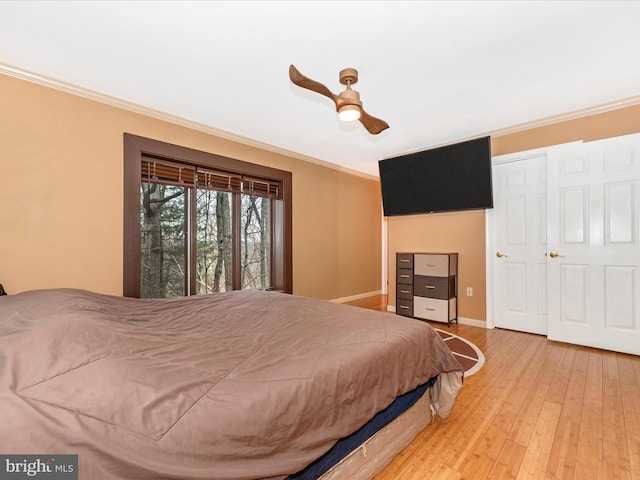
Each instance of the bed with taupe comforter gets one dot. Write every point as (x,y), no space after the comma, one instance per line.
(237,385)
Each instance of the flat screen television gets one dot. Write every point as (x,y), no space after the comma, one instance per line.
(443,179)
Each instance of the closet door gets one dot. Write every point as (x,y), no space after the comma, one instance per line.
(593,263)
(519,262)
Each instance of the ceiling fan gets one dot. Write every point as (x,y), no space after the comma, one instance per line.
(348,104)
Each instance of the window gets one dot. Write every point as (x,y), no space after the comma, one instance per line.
(198,223)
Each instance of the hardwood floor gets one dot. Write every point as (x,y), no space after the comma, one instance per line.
(537,409)
(377,302)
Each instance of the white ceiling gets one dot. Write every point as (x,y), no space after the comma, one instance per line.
(437,71)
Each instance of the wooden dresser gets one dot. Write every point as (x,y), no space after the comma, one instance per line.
(427,286)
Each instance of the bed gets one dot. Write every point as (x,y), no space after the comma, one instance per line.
(230,386)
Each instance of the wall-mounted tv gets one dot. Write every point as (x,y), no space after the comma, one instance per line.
(443,179)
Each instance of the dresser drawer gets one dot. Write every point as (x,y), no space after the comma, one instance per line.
(405,291)
(434,265)
(404,260)
(434,309)
(434,287)
(404,307)
(405,275)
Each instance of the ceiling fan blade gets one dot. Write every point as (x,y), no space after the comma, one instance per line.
(373,125)
(305,82)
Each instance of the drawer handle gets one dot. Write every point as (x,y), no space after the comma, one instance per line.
(404,307)
(430,264)
(430,286)
(405,260)
(405,291)
(430,309)
(404,276)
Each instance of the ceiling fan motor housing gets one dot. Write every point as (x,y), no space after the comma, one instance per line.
(350,97)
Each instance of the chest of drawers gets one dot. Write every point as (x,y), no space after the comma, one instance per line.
(427,286)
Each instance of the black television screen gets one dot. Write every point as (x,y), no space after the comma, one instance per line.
(449,178)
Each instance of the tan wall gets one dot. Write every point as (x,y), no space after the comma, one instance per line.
(442,233)
(464,232)
(61,198)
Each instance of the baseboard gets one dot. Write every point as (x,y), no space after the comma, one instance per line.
(472,322)
(353,298)
(461,320)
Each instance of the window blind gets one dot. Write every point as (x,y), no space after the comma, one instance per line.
(218,180)
(261,188)
(156,170)
(162,171)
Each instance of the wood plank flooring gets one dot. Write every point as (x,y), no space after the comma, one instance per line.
(537,409)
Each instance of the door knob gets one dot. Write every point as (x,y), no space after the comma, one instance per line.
(555,255)
(501,254)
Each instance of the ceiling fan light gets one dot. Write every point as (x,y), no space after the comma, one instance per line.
(349,113)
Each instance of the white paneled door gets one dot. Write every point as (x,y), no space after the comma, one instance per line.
(593,263)
(519,262)
(565,232)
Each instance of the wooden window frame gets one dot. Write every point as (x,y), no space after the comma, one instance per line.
(137,147)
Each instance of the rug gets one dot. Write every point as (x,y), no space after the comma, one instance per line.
(469,356)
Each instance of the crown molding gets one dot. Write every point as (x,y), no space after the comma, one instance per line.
(158,115)
(173,119)
(543,122)
(565,117)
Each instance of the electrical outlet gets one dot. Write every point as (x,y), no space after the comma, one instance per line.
(469,292)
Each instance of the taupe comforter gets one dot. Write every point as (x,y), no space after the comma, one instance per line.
(238,385)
